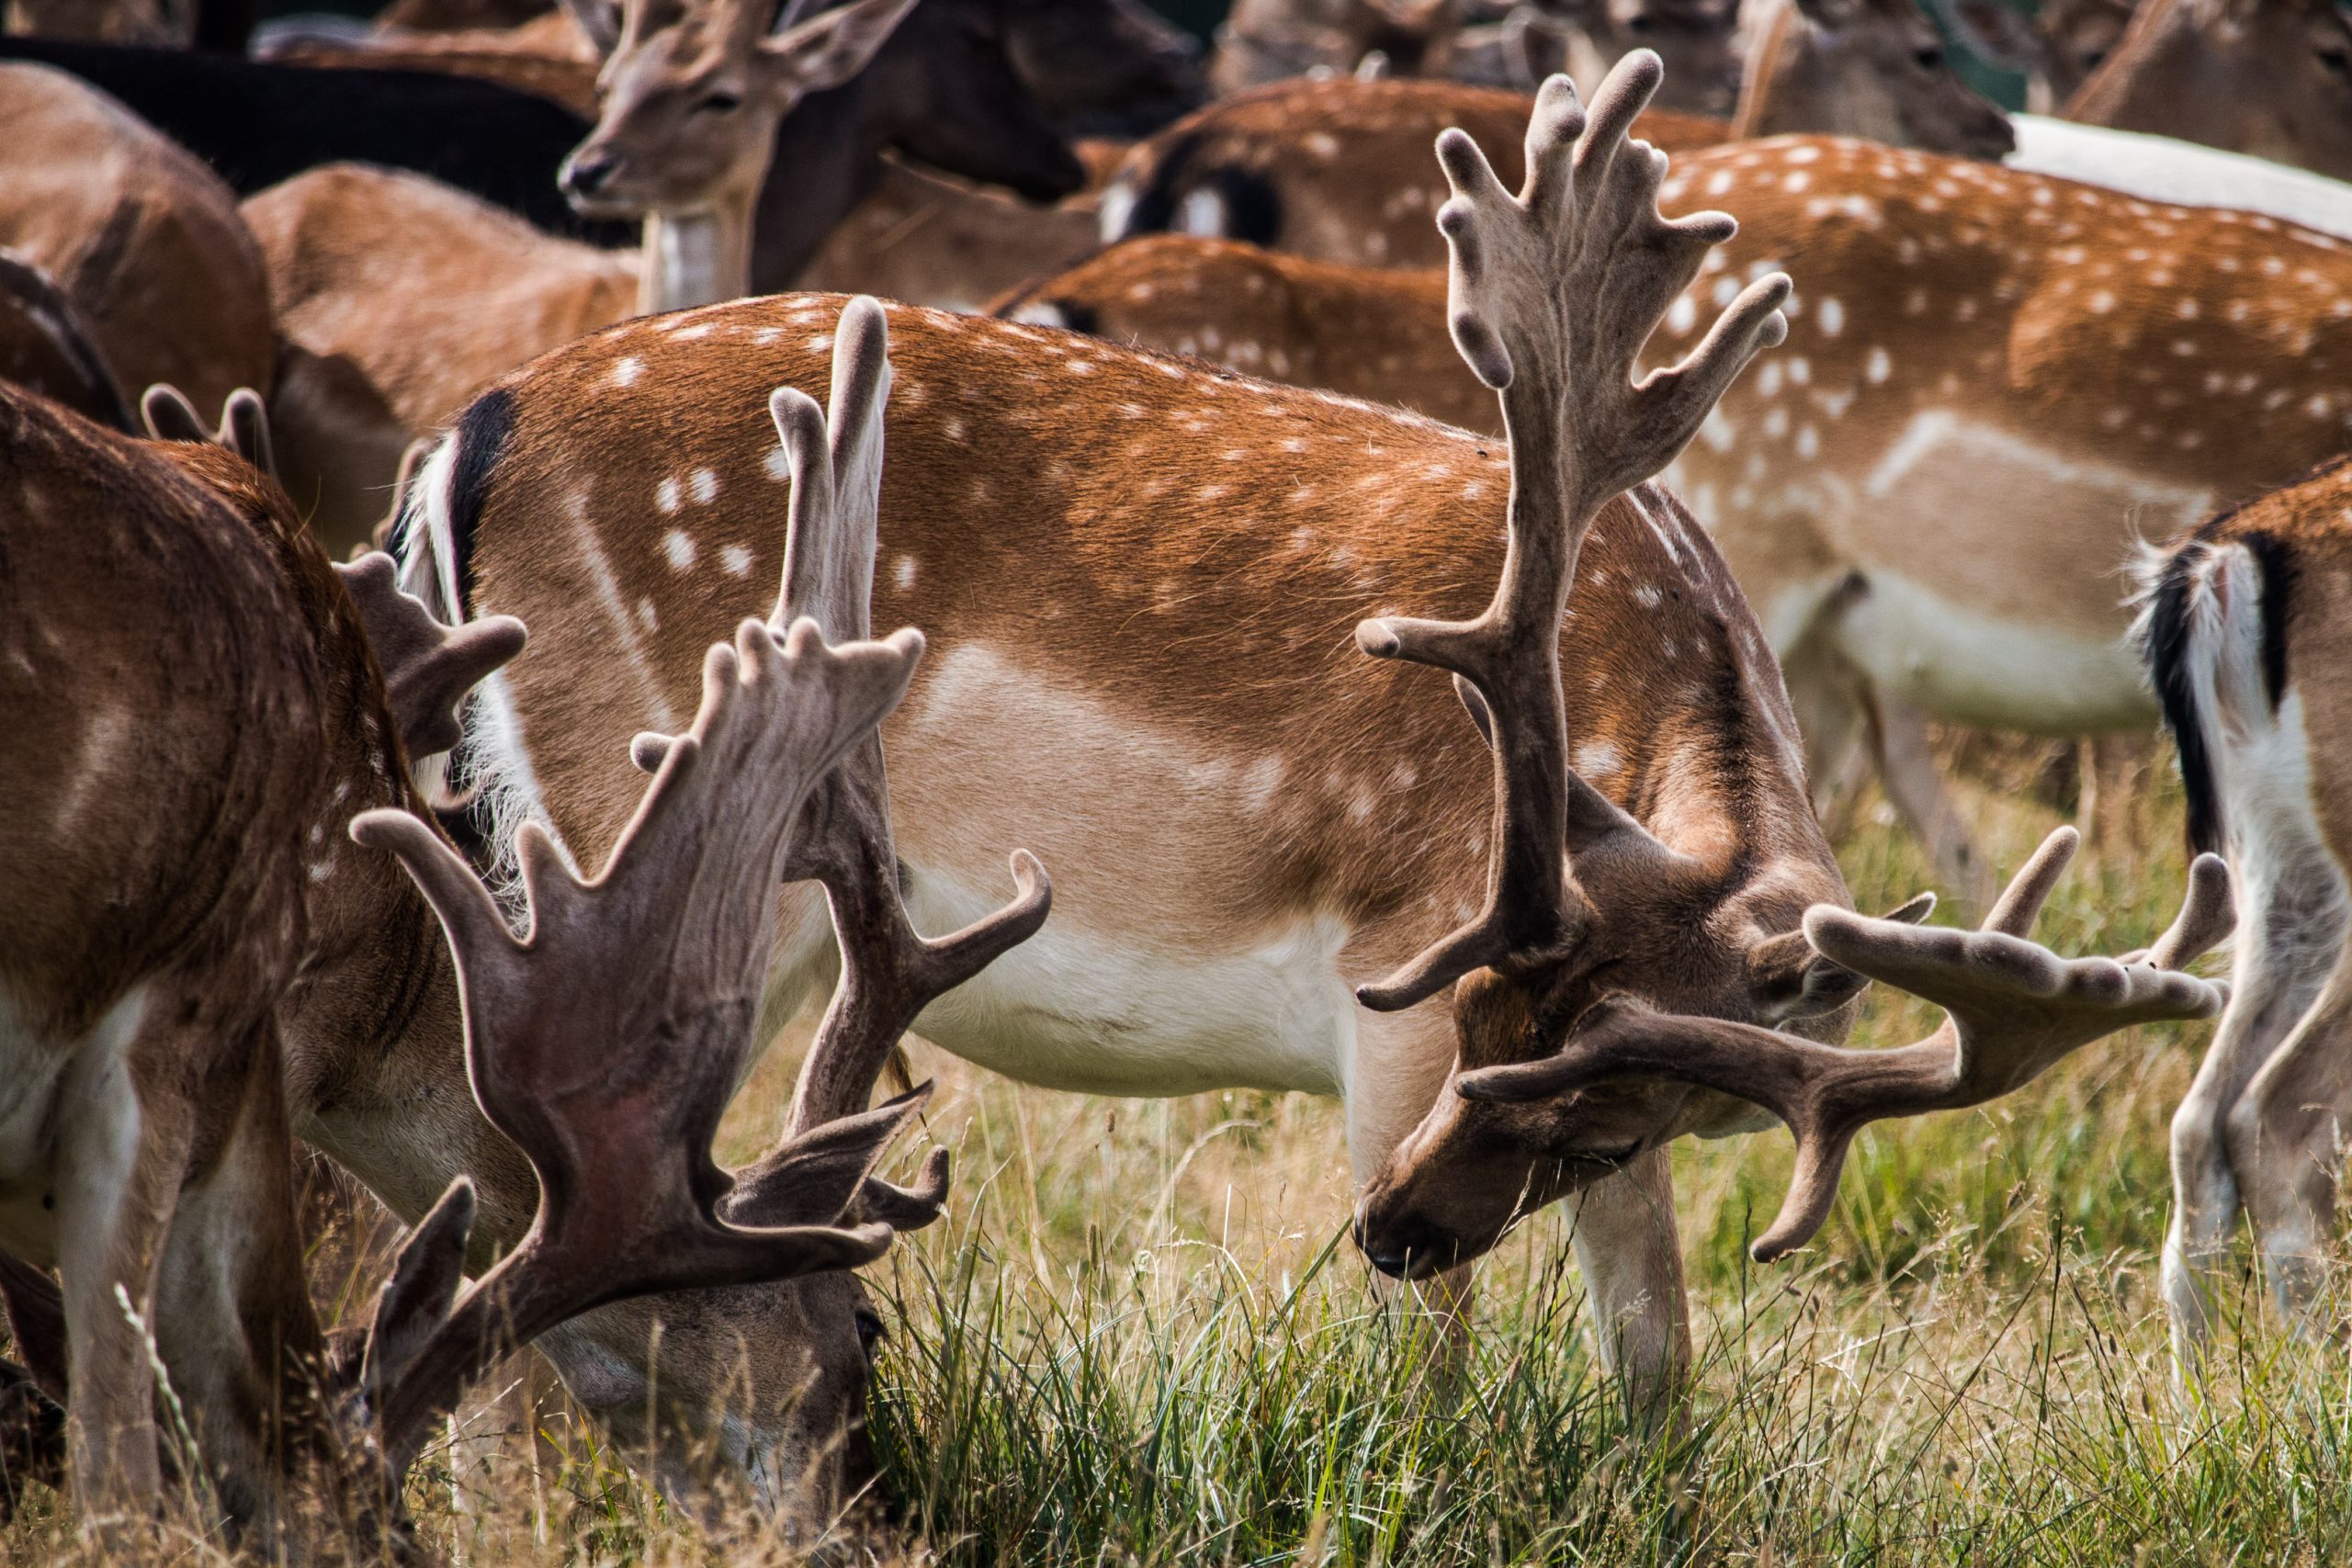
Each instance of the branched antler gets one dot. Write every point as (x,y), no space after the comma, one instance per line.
(1550,295)
(2013,1009)
(606,1041)
(889,972)
(428,667)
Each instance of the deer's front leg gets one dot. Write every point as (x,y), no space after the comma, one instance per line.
(1630,1253)
(122,1142)
(1397,1069)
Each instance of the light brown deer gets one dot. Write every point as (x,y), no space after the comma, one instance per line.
(2244,639)
(338,963)
(141,236)
(1944,407)
(2268,77)
(1140,581)
(1322,168)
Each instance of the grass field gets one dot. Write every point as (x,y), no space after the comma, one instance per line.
(1142,1337)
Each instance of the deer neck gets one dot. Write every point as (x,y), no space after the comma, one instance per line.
(375,1051)
(697,258)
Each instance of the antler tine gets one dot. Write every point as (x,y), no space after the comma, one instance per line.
(168,415)
(607,1042)
(428,667)
(1550,296)
(2013,1010)
(890,972)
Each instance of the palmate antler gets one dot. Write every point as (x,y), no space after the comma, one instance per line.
(1549,295)
(2013,1009)
(889,972)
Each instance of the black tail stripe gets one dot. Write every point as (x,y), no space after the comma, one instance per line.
(2167,655)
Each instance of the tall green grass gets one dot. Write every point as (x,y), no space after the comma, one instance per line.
(1141,1338)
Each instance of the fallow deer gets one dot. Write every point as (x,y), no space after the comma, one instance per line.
(1946,389)
(1876,69)
(1140,581)
(1273,41)
(2269,77)
(2056,50)
(1697,39)
(762,1382)
(143,239)
(1315,167)
(2243,635)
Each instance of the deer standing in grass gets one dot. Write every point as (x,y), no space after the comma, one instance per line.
(2245,640)
(1933,496)
(1324,169)
(286,950)
(1139,575)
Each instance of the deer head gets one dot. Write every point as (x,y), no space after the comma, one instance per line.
(2268,77)
(1875,69)
(692,94)
(2058,48)
(1697,39)
(1596,932)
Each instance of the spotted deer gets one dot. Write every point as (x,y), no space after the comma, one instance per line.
(2269,77)
(1229,871)
(473,1082)
(1321,168)
(2243,618)
(1932,497)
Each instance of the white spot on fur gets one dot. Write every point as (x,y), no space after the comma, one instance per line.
(680,547)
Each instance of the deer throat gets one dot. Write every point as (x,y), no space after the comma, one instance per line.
(698,258)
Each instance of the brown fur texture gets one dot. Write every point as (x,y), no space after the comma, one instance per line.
(46,347)
(1977,315)
(142,238)
(2268,77)
(1345,165)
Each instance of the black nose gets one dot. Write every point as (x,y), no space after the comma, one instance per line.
(588,173)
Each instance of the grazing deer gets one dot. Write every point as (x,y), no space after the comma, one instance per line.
(2268,77)
(1315,167)
(759,1380)
(142,238)
(1247,826)
(1943,391)
(2241,632)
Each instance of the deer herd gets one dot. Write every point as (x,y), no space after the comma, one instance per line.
(439,649)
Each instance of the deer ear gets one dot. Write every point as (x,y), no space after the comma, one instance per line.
(1790,980)
(600,20)
(826,50)
(167,414)
(825,1177)
(415,1301)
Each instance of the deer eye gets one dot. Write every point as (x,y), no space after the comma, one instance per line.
(1930,57)
(1639,23)
(870,1331)
(723,102)
(2335,57)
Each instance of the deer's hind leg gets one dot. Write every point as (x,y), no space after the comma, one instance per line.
(2287,1138)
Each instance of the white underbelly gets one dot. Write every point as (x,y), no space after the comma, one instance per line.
(1113,1013)
(1960,663)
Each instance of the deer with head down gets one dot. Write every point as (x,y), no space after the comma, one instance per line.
(2244,637)
(1139,574)
(1313,167)
(496,1070)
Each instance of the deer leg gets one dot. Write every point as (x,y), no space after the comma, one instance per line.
(1826,692)
(2286,1139)
(1915,787)
(1630,1253)
(1399,1068)
(233,1319)
(123,1153)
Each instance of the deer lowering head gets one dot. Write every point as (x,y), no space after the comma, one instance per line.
(1601,934)
(613,1087)
(691,96)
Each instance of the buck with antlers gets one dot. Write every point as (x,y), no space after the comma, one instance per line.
(1139,575)
(1932,497)
(286,947)
(2244,639)
(1313,167)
